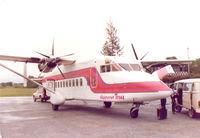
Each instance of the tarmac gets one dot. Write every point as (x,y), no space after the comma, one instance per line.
(20,117)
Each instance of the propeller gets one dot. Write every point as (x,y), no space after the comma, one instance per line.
(145,55)
(48,63)
(136,53)
(42,54)
(61,72)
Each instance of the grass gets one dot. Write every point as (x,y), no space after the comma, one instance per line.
(8,92)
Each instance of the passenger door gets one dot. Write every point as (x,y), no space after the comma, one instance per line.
(51,86)
(93,78)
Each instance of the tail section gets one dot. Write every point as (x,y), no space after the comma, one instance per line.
(163,72)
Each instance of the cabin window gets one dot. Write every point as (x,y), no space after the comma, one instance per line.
(70,83)
(73,83)
(63,83)
(81,82)
(76,82)
(60,84)
(66,83)
(55,85)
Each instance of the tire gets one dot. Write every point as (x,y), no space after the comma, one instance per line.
(178,108)
(191,113)
(134,113)
(107,104)
(34,99)
(55,107)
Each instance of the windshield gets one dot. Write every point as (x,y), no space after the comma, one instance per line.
(119,67)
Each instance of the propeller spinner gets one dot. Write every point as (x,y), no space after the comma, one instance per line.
(48,63)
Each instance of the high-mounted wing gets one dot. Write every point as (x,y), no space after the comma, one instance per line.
(148,64)
(46,64)
(20,59)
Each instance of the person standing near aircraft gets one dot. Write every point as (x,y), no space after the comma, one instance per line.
(173,98)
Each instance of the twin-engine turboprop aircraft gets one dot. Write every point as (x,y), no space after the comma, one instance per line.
(106,79)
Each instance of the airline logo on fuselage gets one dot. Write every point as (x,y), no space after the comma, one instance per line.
(112,97)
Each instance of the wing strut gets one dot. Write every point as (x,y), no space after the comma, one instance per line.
(26,78)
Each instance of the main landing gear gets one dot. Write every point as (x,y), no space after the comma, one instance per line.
(134,110)
(55,107)
(162,111)
(107,104)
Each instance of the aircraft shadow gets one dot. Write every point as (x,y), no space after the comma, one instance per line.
(112,112)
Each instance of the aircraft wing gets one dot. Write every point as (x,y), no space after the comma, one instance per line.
(20,59)
(65,61)
(147,64)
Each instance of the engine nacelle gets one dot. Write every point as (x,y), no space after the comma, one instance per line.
(46,67)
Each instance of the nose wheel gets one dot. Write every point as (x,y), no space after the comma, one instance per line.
(134,110)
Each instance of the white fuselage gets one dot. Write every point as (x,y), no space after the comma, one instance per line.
(106,80)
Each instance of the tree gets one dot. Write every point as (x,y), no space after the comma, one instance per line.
(112,46)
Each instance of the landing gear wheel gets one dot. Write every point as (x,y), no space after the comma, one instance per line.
(178,108)
(191,113)
(34,99)
(55,107)
(134,112)
(107,104)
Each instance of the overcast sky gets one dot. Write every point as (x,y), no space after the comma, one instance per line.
(163,27)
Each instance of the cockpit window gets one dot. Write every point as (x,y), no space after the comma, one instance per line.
(105,68)
(119,67)
(110,68)
(125,66)
(136,67)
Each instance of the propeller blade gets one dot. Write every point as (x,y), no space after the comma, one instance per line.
(53,48)
(42,54)
(66,55)
(134,52)
(61,72)
(145,55)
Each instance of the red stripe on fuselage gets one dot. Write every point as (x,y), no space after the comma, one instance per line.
(102,87)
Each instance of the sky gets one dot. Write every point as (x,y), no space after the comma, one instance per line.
(163,27)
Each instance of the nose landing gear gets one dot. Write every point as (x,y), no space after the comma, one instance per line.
(134,110)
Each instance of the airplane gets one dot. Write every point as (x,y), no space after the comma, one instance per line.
(105,79)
